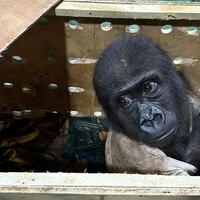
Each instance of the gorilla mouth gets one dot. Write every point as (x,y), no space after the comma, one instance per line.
(150,123)
(164,135)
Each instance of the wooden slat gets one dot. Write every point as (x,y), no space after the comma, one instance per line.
(128,10)
(17,16)
(99,184)
(19,196)
(164,2)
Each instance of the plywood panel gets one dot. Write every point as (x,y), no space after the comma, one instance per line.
(42,49)
(17,16)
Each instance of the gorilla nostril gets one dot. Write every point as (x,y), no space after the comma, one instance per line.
(157,117)
(147,115)
(151,119)
(152,113)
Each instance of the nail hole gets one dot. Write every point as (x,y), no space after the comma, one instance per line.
(73,24)
(51,60)
(17,113)
(166,29)
(27,112)
(8,85)
(72,60)
(178,60)
(17,58)
(53,86)
(26,89)
(171,17)
(186,61)
(106,26)
(75,89)
(55,112)
(73,112)
(42,20)
(97,113)
(192,30)
(134,28)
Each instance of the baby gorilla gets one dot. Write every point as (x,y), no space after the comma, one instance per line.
(146,100)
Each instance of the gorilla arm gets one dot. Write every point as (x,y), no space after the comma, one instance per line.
(126,155)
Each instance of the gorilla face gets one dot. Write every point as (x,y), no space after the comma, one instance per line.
(141,93)
(143,107)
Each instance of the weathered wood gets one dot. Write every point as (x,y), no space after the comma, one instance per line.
(98,184)
(20,196)
(131,10)
(17,16)
(164,2)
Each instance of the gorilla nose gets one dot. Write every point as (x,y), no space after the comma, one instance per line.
(151,119)
(151,113)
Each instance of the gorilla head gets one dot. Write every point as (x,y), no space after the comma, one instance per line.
(141,93)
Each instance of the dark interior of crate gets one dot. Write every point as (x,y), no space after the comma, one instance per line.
(50,119)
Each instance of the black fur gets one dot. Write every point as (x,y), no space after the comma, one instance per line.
(118,70)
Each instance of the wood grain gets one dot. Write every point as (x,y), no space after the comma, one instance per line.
(17,16)
(126,9)
(42,49)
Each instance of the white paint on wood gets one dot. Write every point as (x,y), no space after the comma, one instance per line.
(96,184)
(112,9)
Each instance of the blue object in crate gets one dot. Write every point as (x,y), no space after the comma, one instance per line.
(87,136)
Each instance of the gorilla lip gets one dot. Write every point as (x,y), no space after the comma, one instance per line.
(163,135)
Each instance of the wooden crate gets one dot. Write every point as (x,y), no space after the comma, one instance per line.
(52,52)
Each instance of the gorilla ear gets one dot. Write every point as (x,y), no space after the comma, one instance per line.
(195,104)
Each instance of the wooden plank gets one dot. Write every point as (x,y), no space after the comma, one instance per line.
(17,16)
(129,10)
(185,2)
(18,196)
(99,184)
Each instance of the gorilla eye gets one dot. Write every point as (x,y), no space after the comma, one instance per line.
(124,100)
(149,86)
